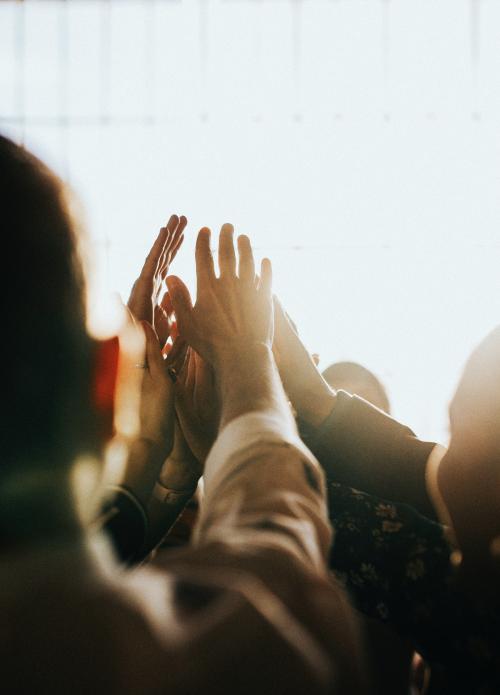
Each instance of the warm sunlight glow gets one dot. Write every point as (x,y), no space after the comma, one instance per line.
(356,143)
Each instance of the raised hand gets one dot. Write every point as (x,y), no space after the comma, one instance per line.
(165,323)
(147,288)
(157,396)
(232,310)
(156,420)
(311,396)
(197,405)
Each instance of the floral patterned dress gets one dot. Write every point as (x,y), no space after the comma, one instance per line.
(395,564)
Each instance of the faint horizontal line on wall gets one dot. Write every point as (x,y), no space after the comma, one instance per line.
(109,121)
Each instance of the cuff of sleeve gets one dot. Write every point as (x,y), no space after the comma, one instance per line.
(242,433)
(125,521)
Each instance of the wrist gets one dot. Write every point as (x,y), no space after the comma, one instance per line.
(144,461)
(248,380)
(315,403)
(179,474)
(240,352)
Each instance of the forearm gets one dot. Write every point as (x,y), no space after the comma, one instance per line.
(143,465)
(176,485)
(124,515)
(361,447)
(249,381)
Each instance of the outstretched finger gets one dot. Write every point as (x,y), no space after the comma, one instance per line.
(166,254)
(172,246)
(205,273)
(166,304)
(246,270)
(266,277)
(227,256)
(154,255)
(178,237)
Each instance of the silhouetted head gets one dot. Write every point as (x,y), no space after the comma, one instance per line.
(354,378)
(46,398)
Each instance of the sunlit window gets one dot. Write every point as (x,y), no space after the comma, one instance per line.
(356,141)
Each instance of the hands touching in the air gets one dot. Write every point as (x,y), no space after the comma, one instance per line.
(157,394)
(156,436)
(231,326)
(143,301)
(197,404)
(232,311)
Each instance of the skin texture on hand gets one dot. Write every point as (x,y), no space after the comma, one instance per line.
(157,396)
(165,323)
(197,405)
(231,310)
(231,326)
(156,436)
(181,471)
(311,396)
(147,288)
(156,414)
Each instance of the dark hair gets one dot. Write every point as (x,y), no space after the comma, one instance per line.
(355,378)
(45,370)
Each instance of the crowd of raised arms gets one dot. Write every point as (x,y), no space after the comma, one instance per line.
(271,531)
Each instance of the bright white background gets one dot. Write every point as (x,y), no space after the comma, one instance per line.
(356,141)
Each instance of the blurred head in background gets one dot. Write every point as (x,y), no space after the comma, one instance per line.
(51,393)
(356,379)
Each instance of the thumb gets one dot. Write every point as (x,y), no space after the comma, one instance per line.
(181,301)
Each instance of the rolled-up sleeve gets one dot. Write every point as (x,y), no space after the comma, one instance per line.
(263,487)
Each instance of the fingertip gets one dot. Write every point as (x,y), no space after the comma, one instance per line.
(173,283)
(227,228)
(173,221)
(266,266)
(166,303)
(203,239)
(266,274)
(243,240)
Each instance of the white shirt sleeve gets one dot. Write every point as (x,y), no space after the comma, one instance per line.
(262,486)
(246,431)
